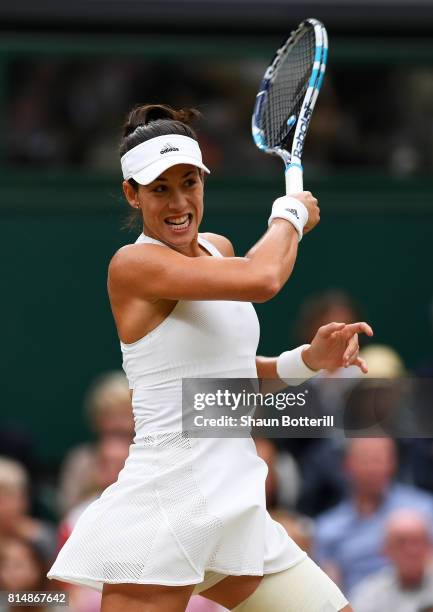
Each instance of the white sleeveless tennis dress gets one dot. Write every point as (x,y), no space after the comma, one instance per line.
(181,506)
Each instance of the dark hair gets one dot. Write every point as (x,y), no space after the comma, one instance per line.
(149,121)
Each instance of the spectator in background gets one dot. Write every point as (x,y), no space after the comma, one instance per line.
(324,483)
(14,507)
(408,583)
(379,404)
(283,478)
(17,442)
(349,537)
(420,450)
(110,455)
(323,308)
(315,311)
(383,362)
(282,482)
(419,466)
(108,408)
(23,568)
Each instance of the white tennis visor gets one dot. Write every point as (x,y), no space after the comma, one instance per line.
(145,162)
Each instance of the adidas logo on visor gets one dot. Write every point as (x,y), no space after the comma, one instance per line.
(167,148)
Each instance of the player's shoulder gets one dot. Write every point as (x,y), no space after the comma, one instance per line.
(134,256)
(129,252)
(222,243)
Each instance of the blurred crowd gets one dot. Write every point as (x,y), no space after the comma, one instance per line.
(68,113)
(362,507)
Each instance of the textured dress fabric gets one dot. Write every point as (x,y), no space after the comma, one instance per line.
(182,507)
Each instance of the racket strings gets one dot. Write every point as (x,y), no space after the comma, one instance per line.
(287,90)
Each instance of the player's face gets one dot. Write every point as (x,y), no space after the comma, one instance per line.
(172,205)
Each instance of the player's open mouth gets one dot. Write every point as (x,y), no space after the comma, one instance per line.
(179,223)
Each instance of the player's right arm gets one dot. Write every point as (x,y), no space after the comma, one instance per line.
(152,272)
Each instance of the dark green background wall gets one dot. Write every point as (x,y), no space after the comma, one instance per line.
(58,232)
(374,240)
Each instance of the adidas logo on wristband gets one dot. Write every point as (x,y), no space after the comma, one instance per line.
(293,211)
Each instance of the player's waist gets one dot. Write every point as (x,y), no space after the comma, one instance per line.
(157,379)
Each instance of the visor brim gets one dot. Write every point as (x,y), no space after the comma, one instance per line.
(149,174)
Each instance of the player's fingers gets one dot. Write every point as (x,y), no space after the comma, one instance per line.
(362,364)
(327,330)
(351,351)
(358,328)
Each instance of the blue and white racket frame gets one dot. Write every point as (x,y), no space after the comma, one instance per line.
(292,159)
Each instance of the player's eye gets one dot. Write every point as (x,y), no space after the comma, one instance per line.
(190,182)
(160,189)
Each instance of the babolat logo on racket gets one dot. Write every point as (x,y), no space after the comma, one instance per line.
(293,211)
(303,127)
(167,148)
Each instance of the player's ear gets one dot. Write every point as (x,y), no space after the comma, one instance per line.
(131,194)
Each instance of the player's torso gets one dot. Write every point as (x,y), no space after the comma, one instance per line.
(198,338)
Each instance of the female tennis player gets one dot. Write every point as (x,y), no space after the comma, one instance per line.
(187,515)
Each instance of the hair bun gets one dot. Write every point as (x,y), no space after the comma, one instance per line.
(145,114)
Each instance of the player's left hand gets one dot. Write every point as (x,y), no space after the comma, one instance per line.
(335,345)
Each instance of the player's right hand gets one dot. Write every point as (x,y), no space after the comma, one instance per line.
(312,205)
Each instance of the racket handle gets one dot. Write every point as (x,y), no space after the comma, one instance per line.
(294,179)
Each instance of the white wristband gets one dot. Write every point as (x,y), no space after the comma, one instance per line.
(292,210)
(292,369)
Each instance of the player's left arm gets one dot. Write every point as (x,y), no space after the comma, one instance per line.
(335,345)
(270,382)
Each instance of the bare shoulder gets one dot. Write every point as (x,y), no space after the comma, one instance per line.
(131,257)
(222,243)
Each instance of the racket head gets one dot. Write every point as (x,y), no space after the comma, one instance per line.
(288,92)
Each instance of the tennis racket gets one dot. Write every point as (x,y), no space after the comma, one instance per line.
(287,96)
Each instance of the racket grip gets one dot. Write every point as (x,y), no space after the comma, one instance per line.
(294,179)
